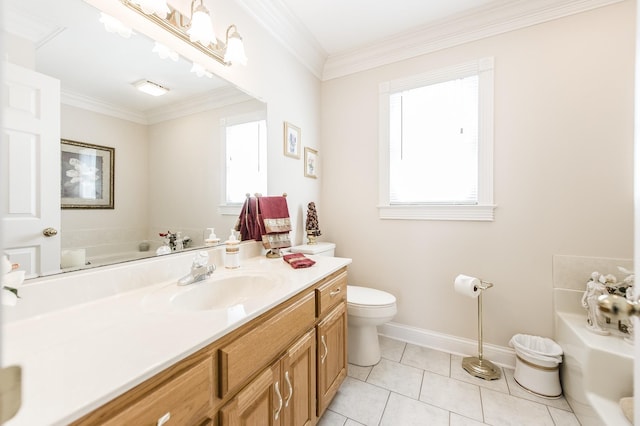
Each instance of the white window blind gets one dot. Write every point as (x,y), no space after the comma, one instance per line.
(436,144)
(246,160)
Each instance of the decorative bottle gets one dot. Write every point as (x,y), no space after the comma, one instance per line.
(232,252)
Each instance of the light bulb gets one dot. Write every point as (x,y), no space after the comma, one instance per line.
(235,49)
(201,29)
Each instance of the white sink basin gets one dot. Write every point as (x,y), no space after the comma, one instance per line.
(239,292)
(224,293)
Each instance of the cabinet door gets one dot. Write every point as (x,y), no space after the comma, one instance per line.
(260,403)
(332,355)
(299,382)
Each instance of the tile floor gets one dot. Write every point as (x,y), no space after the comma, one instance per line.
(413,385)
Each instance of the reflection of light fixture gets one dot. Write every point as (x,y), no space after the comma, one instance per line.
(235,48)
(112,25)
(150,88)
(201,28)
(200,70)
(164,52)
(158,7)
(196,30)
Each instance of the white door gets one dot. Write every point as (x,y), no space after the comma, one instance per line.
(30,170)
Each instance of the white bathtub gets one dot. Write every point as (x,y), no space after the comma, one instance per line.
(596,371)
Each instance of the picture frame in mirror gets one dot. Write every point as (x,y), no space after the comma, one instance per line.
(86,175)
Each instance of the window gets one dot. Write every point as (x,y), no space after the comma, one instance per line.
(245,145)
(436,144)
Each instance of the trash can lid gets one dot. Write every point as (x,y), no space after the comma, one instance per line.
(536,345)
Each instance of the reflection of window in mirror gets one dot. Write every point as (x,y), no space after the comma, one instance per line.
(245,144)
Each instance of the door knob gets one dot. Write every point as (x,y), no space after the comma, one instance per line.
(618,307)
(50,232)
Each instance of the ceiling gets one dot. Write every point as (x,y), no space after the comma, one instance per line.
(345,25)
(331,38)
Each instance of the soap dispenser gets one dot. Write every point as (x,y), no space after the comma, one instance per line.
(212,239)
(232,252)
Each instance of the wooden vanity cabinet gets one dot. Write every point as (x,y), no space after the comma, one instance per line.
(280,369)
(332,355)
(258,403)
(282,395)
(185,398)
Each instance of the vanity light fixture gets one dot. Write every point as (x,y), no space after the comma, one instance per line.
(113,25)
(235,47)
(157,7)
(200,70)
(150,88)
(197,30)
(201,28)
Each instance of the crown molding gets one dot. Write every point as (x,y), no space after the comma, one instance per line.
(96,105)
(213,99)
(289,31)
(496,18)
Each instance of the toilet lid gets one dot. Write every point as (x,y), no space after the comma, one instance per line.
(368,296)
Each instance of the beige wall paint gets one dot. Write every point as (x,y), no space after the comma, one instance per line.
(127,222)
(563,177)
(186,165)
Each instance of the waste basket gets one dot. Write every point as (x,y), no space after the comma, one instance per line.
(537,364)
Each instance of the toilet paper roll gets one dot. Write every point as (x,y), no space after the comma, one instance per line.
(469,286)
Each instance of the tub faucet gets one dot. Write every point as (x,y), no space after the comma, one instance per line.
(200,269)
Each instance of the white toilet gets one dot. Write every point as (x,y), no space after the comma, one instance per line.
(366,309)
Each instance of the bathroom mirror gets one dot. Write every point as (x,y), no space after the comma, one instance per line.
(169,166)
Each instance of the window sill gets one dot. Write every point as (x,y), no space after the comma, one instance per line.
(438,212)
(230,209)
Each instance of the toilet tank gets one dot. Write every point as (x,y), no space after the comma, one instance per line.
(322,249)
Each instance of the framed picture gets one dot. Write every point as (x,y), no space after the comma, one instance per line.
(291,140)
(86,175)
(310,163)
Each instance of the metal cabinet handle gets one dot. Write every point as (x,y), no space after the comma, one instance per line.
(164,419)
(334,292)
(326,350)
(286,377)
(50,232)
(276,414)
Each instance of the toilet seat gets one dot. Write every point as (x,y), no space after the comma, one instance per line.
(364,302)
(364,297)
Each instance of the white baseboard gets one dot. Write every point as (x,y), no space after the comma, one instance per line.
(499,355)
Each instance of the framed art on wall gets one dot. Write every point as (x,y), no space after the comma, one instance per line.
(310,163)
(292,140)
(86,175)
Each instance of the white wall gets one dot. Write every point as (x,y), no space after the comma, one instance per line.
(563,177)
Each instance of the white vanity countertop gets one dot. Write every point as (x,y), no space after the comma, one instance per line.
(76,359)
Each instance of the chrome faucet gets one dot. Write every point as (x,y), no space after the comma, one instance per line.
(200,269)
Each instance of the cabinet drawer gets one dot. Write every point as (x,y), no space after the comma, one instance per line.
(251,352)
(331,293)
(184,400)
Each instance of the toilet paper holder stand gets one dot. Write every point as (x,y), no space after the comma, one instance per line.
(477,366)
